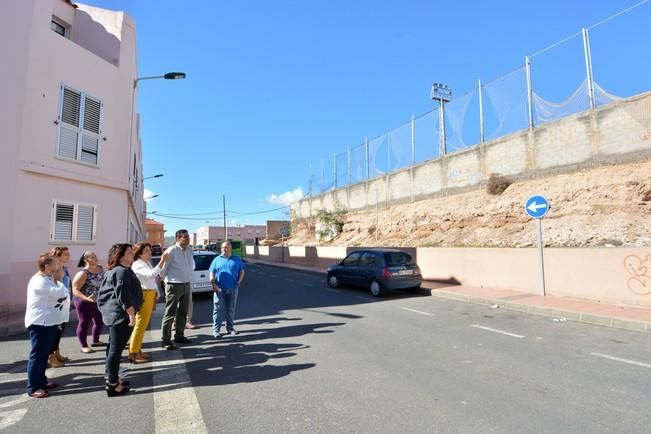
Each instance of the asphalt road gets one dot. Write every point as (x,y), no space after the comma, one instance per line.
(312,359)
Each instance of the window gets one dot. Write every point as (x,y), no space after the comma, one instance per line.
(80,120)
(73,222)
(368,259)
(352,259)
(395,259)
(59,28)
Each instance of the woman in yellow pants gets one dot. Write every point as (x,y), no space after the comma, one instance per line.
(147,276)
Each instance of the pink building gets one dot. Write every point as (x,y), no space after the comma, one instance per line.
(71,163)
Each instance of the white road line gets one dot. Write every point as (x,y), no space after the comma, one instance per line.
(9,418)
(24,397)
(619,359)
(502,332)
(417,311)
(177,408)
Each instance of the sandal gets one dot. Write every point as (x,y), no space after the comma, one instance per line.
(98,344)
(87,350)
(50,386)
(40,393)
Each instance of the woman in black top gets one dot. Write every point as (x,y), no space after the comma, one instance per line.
(120,297)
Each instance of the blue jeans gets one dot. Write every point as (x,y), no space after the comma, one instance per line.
(42,339)
(224,304)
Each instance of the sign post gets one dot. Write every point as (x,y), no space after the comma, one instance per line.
(536,207)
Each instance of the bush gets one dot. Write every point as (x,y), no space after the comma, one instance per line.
(371,230)
(497,184)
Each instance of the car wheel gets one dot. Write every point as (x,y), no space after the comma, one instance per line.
(332,280)
(375,288)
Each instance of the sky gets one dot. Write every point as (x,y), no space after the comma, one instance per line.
(273,87)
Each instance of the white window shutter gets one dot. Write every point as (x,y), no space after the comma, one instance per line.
(70,108)
(63,215)
(85,222)
(91,130)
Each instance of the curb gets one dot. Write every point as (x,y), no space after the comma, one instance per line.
(581,317)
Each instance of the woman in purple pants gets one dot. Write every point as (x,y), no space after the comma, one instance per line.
(85,286)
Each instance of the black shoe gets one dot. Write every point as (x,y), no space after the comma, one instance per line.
(111,389)
(182,340)
(168,345)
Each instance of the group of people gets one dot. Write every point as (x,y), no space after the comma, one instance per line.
(122,298)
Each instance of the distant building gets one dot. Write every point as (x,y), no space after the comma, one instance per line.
(249,234)
(71,166)
(155,231)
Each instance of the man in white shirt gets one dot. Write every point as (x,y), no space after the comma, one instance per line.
(178,289)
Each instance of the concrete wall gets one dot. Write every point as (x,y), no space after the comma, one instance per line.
(620,131)
(615,275)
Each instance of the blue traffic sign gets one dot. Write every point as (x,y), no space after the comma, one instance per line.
(536,206)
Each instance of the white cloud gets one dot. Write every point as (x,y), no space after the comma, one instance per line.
(147,195)
(286,198)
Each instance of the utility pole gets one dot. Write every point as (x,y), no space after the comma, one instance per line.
(225,225)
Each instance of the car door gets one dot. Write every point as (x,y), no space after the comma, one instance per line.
(348,268)
(366,268)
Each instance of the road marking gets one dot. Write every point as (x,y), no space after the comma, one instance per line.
(619,359)
(16,401)
(502,332)
(9,418)
(176,407)
(417,311)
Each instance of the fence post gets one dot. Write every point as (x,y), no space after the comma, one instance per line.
(388,153)
(334,159)
(413,142)
(442,128)
(349,175)
(588,66)
(481,112)
(527,65)
(366,155)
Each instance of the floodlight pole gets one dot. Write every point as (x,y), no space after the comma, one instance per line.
(481,112)
(366,155)
(442,129)
(527,65)
(588,66)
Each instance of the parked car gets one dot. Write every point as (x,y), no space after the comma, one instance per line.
(377,270)
(156,250)
(201,275)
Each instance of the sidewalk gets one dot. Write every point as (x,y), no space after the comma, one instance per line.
(560,308)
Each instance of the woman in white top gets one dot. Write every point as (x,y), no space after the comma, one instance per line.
(146,274)
(48,305)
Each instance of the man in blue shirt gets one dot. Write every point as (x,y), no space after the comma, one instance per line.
(226,275)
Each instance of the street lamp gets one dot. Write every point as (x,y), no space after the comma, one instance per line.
(150,177)
(441,93)
(168,76)
(149,197)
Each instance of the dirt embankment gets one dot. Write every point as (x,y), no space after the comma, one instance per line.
(605,206)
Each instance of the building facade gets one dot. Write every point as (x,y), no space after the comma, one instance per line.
(249,234)
(71,161)
(155,232)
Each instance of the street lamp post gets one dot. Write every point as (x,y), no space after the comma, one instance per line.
(167,76)
(155,176)
(441,93)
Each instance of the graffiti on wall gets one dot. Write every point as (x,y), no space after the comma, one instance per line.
(639,269)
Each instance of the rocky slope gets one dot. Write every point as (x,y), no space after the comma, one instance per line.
(605,206)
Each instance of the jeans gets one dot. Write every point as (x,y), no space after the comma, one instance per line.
(177,297)
(118,337)
(224,304)
(57,337)
(42,338)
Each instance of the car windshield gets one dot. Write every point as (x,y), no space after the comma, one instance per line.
(203,262)
(395,259)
